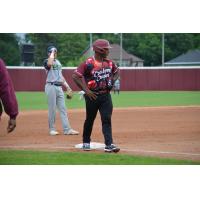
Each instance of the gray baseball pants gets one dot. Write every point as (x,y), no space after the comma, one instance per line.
(56,98)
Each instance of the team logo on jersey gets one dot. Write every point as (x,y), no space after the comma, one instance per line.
(57,66)
(101,74)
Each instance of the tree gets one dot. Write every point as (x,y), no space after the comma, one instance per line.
(70,46)
(9,49)
(147,46)
(177,44)
(196,40)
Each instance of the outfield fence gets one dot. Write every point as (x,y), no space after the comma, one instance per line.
(132,78)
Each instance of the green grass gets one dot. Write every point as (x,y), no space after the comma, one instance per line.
(38,100)
(19,157)
(127,99)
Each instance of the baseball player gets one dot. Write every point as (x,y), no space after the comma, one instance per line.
(7,97)
(55,94)
(116,87)
(99,74)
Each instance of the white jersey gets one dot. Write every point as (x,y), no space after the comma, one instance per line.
(54,74)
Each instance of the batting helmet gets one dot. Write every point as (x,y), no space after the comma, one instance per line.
(100,45)
(51,48)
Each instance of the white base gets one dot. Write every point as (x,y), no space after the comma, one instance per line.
(93,145)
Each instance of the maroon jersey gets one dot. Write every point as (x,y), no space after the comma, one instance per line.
(7,94)
(97,74)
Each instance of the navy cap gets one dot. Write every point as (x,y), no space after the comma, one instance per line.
(51,48)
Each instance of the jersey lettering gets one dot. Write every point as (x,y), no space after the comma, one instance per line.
(102,74)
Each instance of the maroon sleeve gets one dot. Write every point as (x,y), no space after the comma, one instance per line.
(115,69)
(80,71)
(7,93)
(0,110)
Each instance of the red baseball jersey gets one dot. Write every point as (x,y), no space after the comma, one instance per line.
(97,74)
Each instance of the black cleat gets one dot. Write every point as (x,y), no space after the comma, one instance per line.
(111,148)
(86,147)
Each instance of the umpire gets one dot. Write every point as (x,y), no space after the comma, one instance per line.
(100,74)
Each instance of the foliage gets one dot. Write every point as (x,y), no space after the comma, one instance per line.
(148,46)
(196,40)
(9,49)
(70,46)
(177,44)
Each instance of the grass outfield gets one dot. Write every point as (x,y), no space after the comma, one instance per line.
(19,157)
(38,100)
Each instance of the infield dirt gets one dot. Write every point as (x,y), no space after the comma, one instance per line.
(170,132)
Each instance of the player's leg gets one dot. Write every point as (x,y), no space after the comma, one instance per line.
(62,109)
(51,97)
(91,112)
(105,109)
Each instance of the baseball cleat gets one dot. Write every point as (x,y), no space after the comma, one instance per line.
(86,147)
(53,133)
(111,148)
(71,132)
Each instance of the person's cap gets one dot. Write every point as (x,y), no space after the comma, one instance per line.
(51,49)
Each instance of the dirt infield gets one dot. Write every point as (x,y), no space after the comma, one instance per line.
(172,132)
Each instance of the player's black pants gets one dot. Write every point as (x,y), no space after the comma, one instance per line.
(103,103)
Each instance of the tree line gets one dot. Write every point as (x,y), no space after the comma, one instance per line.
(71,46)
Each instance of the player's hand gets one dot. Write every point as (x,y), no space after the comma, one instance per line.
(52,55)
(91,95)
(110,84)
(11,125)
(69,93)
(53,52)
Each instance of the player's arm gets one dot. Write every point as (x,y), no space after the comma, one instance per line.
(50,59)
(7,96)
(115,72)
(69,91)
(115,76)
(66,85)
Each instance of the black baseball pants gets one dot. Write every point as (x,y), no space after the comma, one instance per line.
(103,103)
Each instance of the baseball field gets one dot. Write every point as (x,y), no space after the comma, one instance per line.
(149,127)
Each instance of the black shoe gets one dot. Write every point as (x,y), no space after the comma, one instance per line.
(112,148)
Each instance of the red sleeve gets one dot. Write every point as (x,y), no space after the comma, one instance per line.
(80,71)
(7,93)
